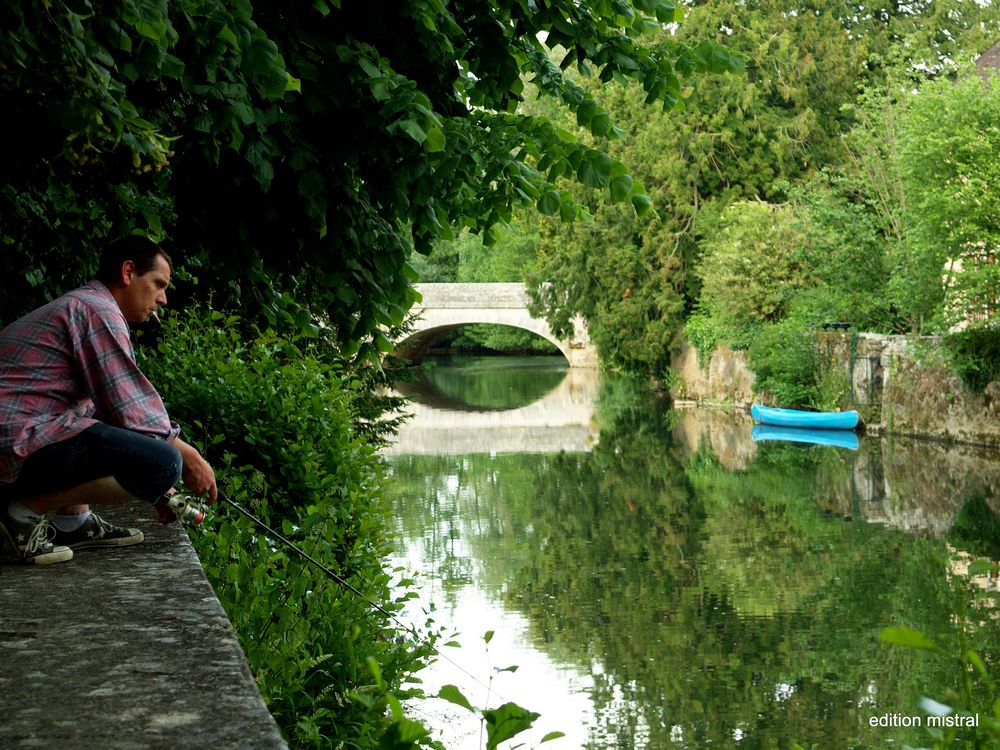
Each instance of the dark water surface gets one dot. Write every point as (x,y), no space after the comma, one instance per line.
(661,580)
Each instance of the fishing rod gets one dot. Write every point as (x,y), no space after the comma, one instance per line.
(329,573)
(192,513)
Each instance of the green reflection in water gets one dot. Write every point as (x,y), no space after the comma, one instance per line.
(711,607)
(485,383)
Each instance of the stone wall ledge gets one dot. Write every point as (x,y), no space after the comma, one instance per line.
(124,648)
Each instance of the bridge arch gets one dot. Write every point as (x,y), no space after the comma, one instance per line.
(446,307)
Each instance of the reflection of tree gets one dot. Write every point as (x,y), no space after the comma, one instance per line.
(977,528)
(715,605)
(765,547)
(485,383)
(705,604)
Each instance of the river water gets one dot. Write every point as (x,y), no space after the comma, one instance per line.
(660,579)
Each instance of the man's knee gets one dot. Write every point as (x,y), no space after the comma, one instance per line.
(162,472)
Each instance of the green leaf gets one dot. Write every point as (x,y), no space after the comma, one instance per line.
(548,203)
(595,170)
(981,567)
(552,736)
(909,638)
(226,34)
(261,56)
(600,125)
(621,187)
(452,694)
(412,129)
(642,203)
(403,734)
(505,722)
(585,112)
(488,636)
(435,140)
(172,66)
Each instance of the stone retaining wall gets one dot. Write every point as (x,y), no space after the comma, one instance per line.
(901,385)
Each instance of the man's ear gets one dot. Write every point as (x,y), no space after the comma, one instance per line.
(127,272)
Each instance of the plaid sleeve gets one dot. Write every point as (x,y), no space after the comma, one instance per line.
(122,395)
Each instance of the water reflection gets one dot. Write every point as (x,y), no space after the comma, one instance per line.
(538,405)
(678,585)
(486,383)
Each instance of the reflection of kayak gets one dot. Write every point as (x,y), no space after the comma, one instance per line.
(838,438)
(815,420)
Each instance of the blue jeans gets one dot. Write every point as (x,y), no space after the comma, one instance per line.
(144,466)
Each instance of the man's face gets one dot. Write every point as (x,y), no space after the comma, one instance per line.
(143,293)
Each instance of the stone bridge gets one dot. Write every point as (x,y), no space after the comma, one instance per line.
(446,307)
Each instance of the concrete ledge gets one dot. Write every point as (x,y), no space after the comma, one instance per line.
(124,648)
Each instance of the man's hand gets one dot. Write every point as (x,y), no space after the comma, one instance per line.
(197,474)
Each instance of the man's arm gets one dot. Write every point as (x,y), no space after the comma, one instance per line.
(197,474)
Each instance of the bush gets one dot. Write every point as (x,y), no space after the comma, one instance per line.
(276,417)
(783,356)
(975,356)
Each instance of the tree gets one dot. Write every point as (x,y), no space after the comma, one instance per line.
(737,137)
(950,167)
(305,148)
(754,264)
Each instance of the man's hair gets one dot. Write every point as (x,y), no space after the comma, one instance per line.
(140,250)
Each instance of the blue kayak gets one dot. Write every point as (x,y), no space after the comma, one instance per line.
(837,438)
(813,420)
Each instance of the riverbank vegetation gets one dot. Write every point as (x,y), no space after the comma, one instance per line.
(293,161)
(849,176)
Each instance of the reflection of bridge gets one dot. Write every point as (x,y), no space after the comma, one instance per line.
(446,307)
(562,420)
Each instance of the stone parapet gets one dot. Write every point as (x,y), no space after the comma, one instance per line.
(124,648)
(445,307)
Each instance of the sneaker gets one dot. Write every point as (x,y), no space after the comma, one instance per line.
(96,532)
(32,542)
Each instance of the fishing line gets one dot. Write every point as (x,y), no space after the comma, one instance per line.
(357,592)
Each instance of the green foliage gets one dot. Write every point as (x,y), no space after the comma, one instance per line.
(793,133)
(314,146)
(975,356)
(754,264)
(738,137)
(783,357)
(704,334)
(950,166)
(845,251)
(277,419)
(629,293)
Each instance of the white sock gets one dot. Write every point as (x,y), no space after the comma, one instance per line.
(24,515)
(71,523)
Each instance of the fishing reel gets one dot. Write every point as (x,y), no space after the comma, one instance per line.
(188,510)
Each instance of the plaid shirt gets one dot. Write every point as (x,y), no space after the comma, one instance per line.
(66,366)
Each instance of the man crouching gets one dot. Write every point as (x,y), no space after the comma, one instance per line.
(80,424)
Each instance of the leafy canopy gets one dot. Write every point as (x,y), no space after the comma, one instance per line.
(306,148)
